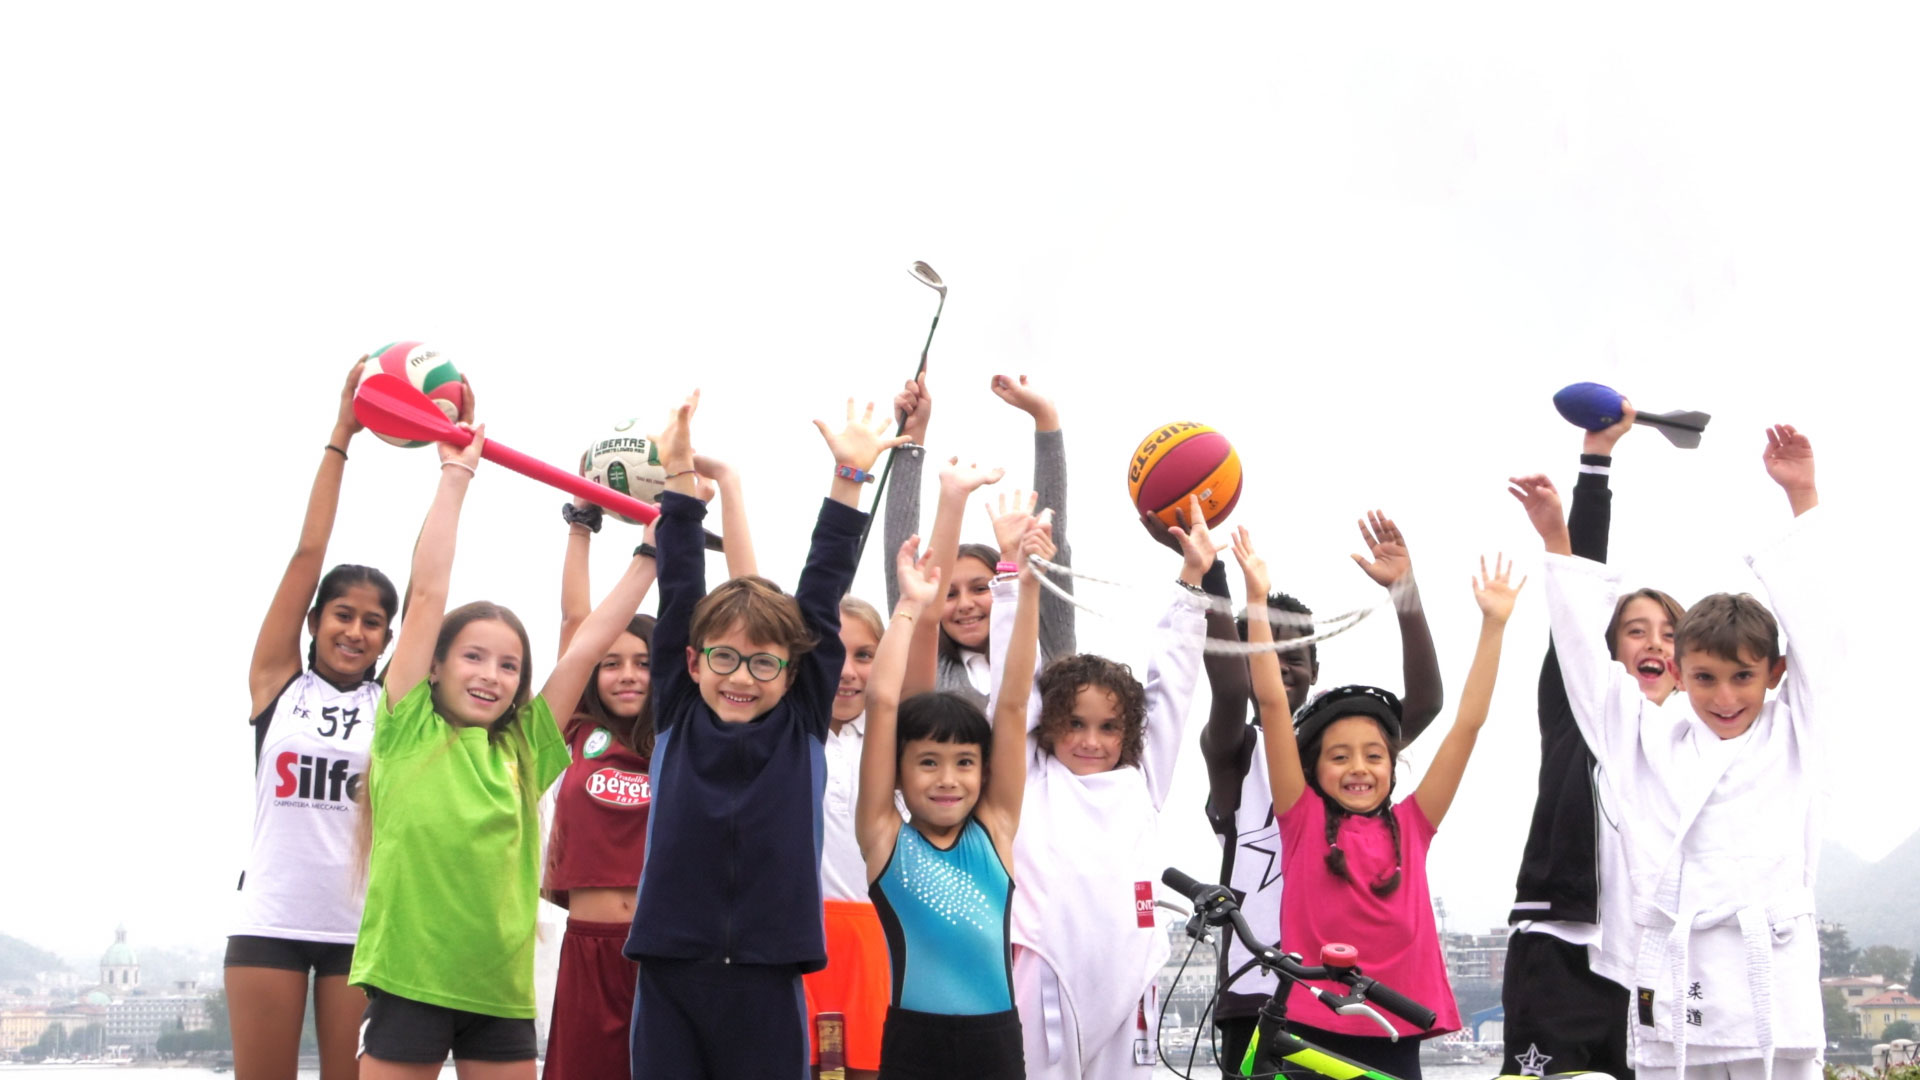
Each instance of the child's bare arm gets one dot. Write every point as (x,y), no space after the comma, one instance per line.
(1392,566)
(957,484)
(276,652)
(1495,594)
(733,514)
(999,806)
(595,636)
(576,591)
(432,568)
(1284,772)
(876,822)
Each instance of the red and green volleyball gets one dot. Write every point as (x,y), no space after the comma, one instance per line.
(428,371)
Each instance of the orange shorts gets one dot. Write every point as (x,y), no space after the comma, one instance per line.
(857,981)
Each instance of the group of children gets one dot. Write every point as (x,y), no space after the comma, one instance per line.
(941,823)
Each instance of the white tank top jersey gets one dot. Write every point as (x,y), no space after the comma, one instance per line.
(299,882)
(1256,871)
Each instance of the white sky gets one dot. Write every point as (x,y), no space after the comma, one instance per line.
(1368,244)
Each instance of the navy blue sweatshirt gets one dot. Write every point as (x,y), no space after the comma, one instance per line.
(733,844)
(1559,868)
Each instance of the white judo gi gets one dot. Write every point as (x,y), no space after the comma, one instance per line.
(1087,936)
(1721,837)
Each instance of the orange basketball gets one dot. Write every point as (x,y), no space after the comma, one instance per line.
(1184,459)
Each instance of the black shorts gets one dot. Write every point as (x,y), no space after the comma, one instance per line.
(1561,1017)
(320,957)
(929,1046)
(416,1033)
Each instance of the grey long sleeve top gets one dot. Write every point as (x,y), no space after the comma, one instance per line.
(1050,484)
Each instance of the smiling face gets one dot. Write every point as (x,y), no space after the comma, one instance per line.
(622,679)
(1643,642)
(1298,668)
(1355,766)
(1089,741)
(350,631)
(966,617)
(475,682)
(940,783)
(1727,694)
(850,698)
(737,697)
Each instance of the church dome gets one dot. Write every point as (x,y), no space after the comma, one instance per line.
(119,954)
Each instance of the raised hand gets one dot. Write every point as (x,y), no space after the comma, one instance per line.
(1028,400)
(1542,503)
(1601,442)
(1789,458)
(1388,548)
(468,455)
(1010,520)
(965,479)
(1197,546)
(1252,565)
(1037,540)
(919,578)
(861,442)
(914,405)
(675,441)
(346,423)
(1496,592)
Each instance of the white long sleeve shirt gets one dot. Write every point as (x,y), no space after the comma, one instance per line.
(1084,856)
(1721,837)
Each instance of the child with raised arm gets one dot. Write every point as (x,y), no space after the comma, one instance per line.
(1100,755)
(598,842)
(1569,957)
(312,723)
(461,753)
(952,652)
(729,911)
(1718,786)
(943,880)
(1239,799)
(855,982)
(1355,862)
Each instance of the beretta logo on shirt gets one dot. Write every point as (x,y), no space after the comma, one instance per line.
(616,788)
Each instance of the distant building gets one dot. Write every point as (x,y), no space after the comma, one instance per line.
(1856,988)
(21,1028)
(1888,1007)
(139,1022)
(119,966)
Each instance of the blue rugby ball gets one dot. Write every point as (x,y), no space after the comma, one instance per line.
(1589,405)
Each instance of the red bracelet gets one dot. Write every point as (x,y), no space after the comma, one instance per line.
(848,472)
(1004,567)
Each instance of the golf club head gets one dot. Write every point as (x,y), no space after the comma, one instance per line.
(928,277)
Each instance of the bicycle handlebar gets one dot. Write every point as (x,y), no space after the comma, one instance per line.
(1217,905)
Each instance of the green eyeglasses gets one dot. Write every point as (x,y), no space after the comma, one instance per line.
(763,666)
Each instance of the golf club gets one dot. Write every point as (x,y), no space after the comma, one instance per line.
(925,275)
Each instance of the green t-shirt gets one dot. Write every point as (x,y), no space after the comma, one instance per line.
(453,879)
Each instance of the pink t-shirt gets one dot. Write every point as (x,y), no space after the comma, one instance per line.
(1394,933)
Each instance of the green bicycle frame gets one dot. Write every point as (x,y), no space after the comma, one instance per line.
(1294,1050)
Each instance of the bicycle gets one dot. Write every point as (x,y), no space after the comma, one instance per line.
(1275,1051)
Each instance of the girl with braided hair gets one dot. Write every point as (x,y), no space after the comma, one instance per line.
(1355,862)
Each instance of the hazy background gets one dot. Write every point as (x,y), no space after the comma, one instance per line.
(1368,244)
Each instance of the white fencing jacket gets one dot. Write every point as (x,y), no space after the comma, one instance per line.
(1721,837)
(1085,853)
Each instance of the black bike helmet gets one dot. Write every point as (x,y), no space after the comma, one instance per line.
(1331,705)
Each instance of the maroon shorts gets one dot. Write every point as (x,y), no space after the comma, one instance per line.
(592,1004)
